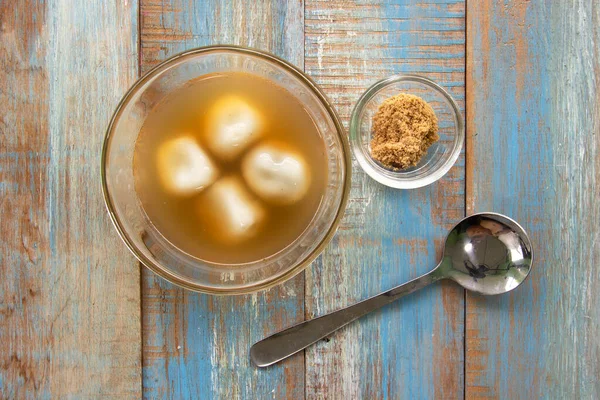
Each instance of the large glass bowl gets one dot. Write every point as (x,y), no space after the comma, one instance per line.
(138,232)
(439,158)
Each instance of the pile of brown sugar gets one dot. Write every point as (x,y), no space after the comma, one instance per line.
(403,129)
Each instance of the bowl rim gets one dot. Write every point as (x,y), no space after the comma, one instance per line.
(398,182)
(175,278)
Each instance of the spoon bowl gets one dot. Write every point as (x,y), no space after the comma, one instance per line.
(486,253)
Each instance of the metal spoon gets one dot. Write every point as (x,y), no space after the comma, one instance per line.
(486,253)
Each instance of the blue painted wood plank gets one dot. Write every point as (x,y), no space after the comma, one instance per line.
(196,346)
(414,348)
(533,114)
(69,290)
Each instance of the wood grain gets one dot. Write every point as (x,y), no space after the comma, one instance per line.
(196,346)
(69,298)
(533,86)
(414,348)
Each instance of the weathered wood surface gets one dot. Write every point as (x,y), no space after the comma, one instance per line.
(388,236)
(69,290)
(194,342)
(196,346)
(533,91)
(70,299)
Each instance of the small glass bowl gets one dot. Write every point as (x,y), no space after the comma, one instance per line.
(440,157)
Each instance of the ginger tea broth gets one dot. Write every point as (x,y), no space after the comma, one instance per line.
(230,168)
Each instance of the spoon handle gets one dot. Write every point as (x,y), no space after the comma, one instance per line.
(291,340)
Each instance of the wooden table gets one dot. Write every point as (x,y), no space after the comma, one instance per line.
(79,318)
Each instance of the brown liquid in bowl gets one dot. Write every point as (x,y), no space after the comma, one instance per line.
(177,217)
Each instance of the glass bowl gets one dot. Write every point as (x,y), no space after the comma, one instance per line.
(139,234)
(441,155)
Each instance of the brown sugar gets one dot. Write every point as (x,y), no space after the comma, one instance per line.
(404,127)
